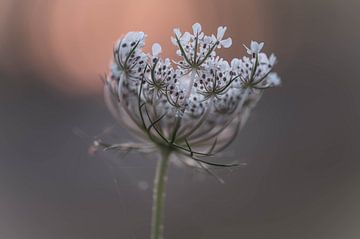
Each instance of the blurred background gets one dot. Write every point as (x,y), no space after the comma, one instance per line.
(301,144)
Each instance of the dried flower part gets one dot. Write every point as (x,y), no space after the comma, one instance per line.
(196,106)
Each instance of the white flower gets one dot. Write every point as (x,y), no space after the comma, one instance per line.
(196,107)
(186,111)
(219,37)
(255,47)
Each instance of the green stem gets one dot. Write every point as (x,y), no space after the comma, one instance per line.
(157,224)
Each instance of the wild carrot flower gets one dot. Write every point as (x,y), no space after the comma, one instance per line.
(189,108)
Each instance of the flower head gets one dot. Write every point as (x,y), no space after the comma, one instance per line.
(194,107)
(198,49)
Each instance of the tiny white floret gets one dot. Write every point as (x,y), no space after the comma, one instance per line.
(156,49)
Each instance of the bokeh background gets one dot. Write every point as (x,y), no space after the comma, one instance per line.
(301,144)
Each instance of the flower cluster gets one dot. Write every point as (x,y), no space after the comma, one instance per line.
(194,106)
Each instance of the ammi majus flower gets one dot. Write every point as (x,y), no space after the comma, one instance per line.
(192,107)
(189,108)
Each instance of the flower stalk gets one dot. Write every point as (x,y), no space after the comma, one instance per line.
(159,193)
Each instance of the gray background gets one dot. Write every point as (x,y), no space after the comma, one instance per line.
(301,144)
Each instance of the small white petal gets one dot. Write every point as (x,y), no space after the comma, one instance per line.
(235,62)
(208,39)
(174,41)
(261,45)
(226,43)
(156,49)
(196,28)
(135,36)
(254,46)
(213,38)
(273,79)
(177,32)
(186,37)
(178,52)
(272,60)
(224,65)
(167,61)
(140,35)
(247,49)
(263,58)
(220,33)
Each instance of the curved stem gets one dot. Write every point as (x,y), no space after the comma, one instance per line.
(157,224)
